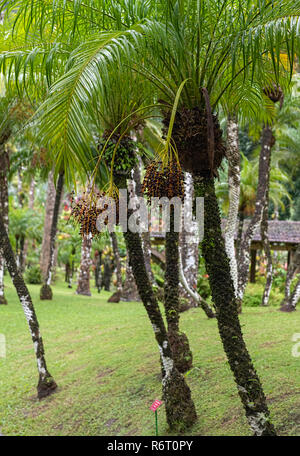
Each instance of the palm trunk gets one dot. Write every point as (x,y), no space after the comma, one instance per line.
(263,183)
(146,243)
(50,202)
(241,219)
(107,273)
(83,284)
(31,207)
(199,301)
(117,260)
(98,256)
(234,180)
(189,246)
(218,269)
(4,167)
(46,291)
(182,354)
(46,384)
(180,409)
(135,188)
(293,300)
(267,248)
(288,304)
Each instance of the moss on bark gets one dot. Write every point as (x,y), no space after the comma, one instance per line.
(180,409)
(183,357)
(46,384)
(218,268)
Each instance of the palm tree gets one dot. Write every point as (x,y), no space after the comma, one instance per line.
(208,45)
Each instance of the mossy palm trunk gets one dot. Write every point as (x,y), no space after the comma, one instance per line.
(180,409)
(46,291)
(218,269)
(46,384)
(183,357)
(117,260)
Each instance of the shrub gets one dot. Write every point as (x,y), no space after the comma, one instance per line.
(252,300)
(33,275)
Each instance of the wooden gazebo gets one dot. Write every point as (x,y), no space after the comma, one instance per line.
(284,235)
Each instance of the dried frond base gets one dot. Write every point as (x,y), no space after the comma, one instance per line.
(163,181)
(190,136)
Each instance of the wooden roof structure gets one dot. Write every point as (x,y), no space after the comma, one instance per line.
(283,235)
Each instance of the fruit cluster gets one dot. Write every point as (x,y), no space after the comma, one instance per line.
(85,211)
(163,181)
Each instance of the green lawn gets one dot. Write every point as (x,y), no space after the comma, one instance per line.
(105,361)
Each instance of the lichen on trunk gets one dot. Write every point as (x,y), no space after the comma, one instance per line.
(180,409)
(267,143)
(234,179)
(218,268)
(183,357)
(46,384)
(46,291)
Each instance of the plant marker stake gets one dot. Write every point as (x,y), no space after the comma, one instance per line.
(154,408)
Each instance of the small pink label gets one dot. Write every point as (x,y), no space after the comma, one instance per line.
(155,405)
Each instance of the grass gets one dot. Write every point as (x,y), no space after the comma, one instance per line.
(104,358)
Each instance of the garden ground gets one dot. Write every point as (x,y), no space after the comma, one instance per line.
(104,358)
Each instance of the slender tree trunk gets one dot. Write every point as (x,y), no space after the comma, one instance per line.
(289,304)
(46,291)
(135,188)
(189,246)
(263,181)
(50,202)
(199,301)
(46,384)
(146,243)
(182,354)
(31,207)
(241,219)
(180,409)
(117,260)
(4,167)
(234,181)
(83,284)
(218,269)
(267,249)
